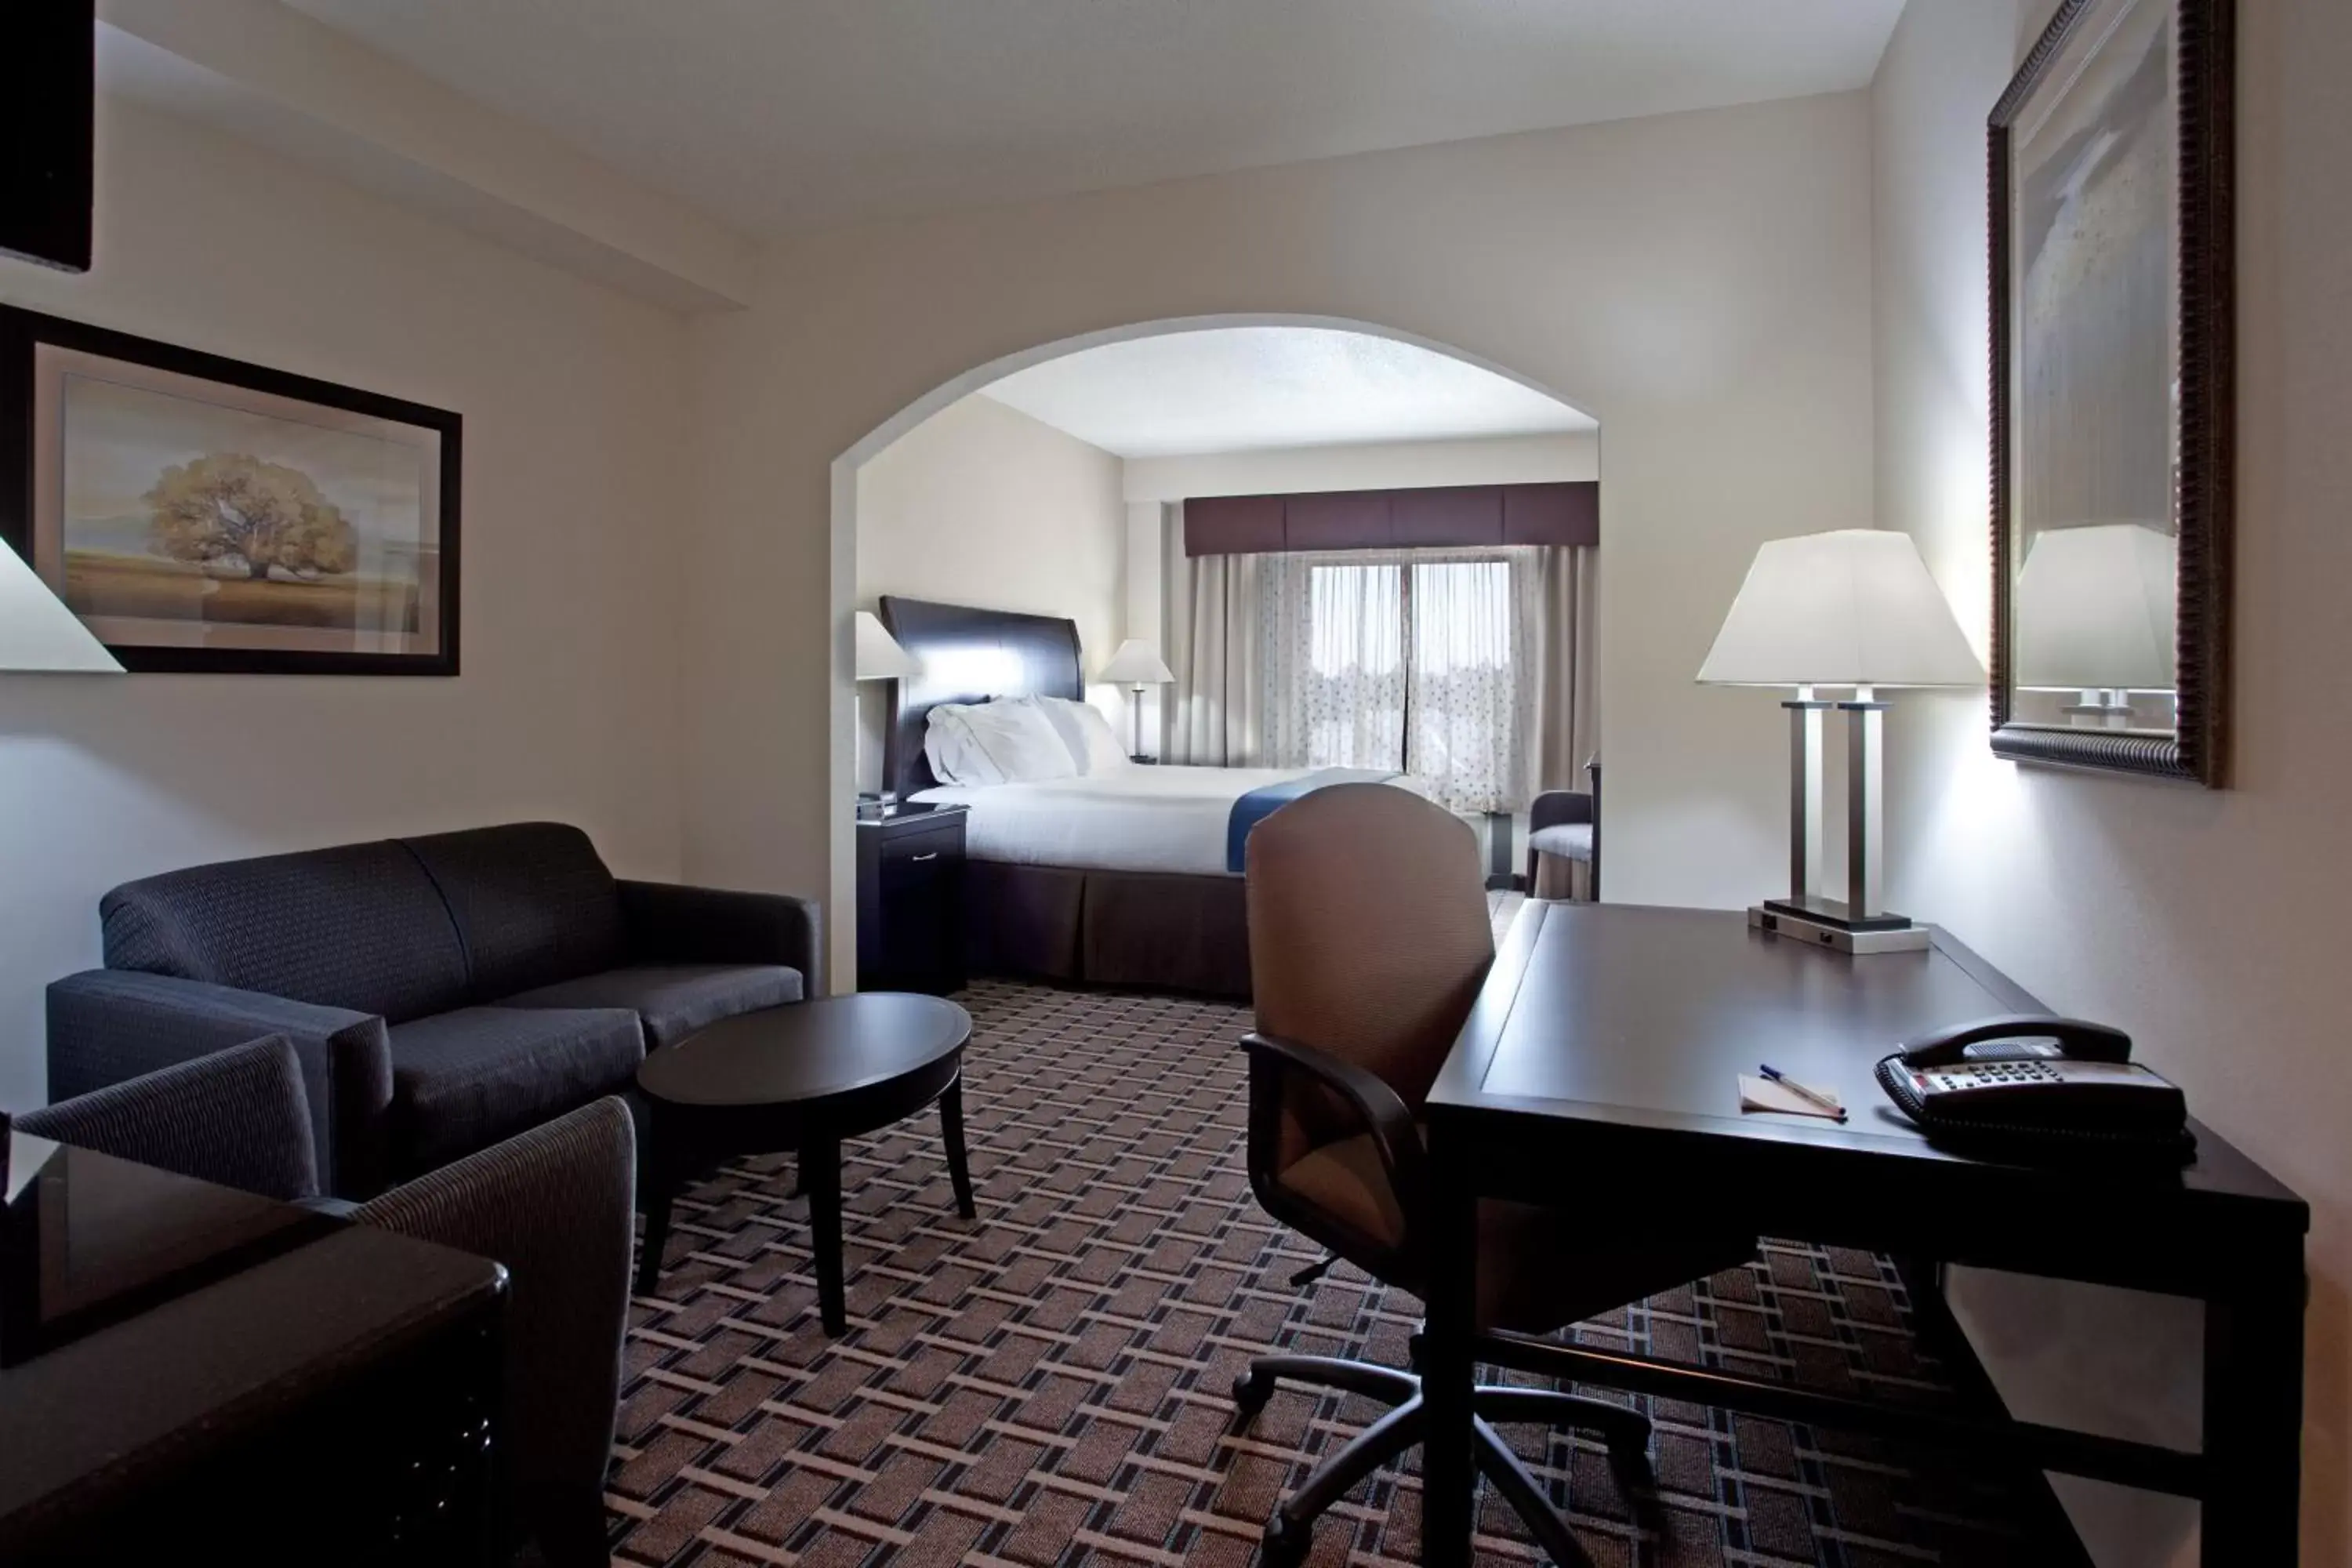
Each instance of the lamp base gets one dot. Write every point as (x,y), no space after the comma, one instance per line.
(1823,922)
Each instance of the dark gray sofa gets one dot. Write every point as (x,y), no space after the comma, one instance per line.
(443,993)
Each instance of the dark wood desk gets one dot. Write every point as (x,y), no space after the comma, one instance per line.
(1608,1040)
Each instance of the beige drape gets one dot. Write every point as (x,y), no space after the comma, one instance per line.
(1210,607)
(1568,720)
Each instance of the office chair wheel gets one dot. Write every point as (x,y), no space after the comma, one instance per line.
(1250,1392)
(1285,1545)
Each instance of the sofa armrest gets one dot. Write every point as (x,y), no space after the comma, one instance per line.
(666,923)
(110,1024)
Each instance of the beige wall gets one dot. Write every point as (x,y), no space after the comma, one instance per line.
(574,536)
(980,504)
(1699,283)
(2211,925)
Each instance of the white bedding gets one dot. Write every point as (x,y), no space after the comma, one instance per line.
(1137,819)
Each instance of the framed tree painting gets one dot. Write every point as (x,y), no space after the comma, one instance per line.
(202,514)
(2113,312)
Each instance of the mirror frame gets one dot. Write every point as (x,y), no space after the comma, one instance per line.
(2204,482)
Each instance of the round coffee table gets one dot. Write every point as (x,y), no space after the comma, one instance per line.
(800,1078)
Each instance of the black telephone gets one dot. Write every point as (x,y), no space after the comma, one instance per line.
(2025,1081)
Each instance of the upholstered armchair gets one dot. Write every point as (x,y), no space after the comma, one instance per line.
(1566,825)
(553,1204)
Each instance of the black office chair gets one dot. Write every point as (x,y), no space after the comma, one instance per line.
(1369,941)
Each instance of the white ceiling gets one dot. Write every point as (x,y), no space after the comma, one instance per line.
(780,115)
(1232,389)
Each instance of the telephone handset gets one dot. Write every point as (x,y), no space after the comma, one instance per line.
(2028,1082)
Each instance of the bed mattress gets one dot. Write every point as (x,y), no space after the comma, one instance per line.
(1141,819)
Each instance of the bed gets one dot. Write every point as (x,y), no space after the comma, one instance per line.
(1124,880)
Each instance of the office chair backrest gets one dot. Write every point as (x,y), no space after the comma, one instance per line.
(1369,930)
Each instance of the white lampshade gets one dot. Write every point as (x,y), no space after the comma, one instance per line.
(38,633)
(1854,608)
(879,657)
(1136,663)
(2096,607)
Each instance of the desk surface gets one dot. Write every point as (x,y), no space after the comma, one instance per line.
(1624,1019)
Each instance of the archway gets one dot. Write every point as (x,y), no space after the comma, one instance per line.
(842,594)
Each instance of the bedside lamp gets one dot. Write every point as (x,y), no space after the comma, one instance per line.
(1851,609)
(1135,665)
(37,633)
(879,657)
(2096,613)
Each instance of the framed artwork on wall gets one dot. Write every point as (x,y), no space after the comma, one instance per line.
(201,515)
(2113,434)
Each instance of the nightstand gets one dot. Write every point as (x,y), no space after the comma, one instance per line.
(910,901)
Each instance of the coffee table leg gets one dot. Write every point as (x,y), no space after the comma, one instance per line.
(820,1165)
(951,1133)
(658,1191)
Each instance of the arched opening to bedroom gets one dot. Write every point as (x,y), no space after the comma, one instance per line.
(1269,546)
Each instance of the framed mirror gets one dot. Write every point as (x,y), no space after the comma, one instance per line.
(2112,396)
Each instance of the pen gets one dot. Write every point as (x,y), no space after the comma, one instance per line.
(1825,1101)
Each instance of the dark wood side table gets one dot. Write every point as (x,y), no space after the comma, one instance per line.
(336,1402)
(800,1078)
(911,901)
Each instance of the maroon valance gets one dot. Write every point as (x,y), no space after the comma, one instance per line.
(1450,517)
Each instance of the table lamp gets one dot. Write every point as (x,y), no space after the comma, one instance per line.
(2094,613)
(1135,665)
(37,633)
(1855,608)
(879,657)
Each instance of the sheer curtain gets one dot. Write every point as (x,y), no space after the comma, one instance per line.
(1421,660)
(1333,629)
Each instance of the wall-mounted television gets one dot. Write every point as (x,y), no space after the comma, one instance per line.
(47,85)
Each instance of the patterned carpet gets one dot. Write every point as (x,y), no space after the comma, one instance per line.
(1049,1383)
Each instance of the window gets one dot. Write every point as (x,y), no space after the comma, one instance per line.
(1416,661)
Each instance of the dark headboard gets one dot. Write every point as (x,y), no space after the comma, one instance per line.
(970,655)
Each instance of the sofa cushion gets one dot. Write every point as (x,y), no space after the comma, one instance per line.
(674,999)
(464,1079)
(359,926)
(532,902)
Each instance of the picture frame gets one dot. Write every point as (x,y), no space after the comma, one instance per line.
(2178,123)
(205,515)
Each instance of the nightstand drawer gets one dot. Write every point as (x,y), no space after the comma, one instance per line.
(908,855)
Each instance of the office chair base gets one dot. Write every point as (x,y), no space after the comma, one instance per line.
(1290,1532)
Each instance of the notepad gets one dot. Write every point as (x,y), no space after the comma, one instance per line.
(1762,1094)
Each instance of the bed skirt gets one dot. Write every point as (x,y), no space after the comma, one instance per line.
(1152,929)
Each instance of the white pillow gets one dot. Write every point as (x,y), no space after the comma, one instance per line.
(1018,739)
(1094,745)
(955,757)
